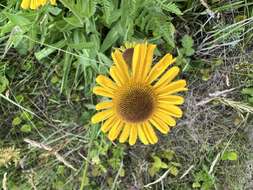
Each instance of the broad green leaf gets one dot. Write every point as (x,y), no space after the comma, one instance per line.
(26,128)
(111,37)
(232,156)
(16,121)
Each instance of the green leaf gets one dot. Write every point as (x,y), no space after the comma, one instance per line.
(16,121)
(174,171)
(168,154)
(187,41)
(247,91)
(73,21)
(169,6)
(48,50)
(26,128)
(232,156)
(196,185)
(110,39)
(26,116)
(250,100)
(66,70)
(73,7)
(4,83)
(18,19)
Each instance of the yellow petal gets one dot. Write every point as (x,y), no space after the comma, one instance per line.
(160,125)
(170,99)
(133,135)
(172,87)
(107,125)
(142,135)
(100,116)
(121,64)
(43,2)
(125,133)
(53,2)
(159,68)
(138,66)
(106,82)
(166,118)
(25,4)
(136,59)
(115,130)
(114,72)
(168,77)
(150,133)
(102,91)
(148,61)
(33,4)
(171,110)
(104,105)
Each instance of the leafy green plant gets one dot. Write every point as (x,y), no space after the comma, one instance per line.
(185,52)
(75,30)
(164,160)
(203,180)
(249,93)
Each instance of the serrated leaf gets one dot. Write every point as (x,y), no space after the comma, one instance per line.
(187,41)
(170,7)
(174,171)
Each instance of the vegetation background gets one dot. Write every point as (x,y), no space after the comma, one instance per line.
(49,59)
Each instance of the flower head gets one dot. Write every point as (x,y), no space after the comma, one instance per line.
(8,155)
(35,4)
(141,96)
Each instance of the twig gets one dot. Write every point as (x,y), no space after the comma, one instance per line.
(208,10)
(219,93)
(158,180)
(117,176)
(50,149)
(214,96)
(187,171)
(214,163)
(4,186)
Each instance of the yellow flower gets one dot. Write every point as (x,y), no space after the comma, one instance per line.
(141,96)
(35,4)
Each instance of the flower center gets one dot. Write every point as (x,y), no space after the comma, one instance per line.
(136,103)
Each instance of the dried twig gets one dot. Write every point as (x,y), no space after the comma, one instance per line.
(51,150)
(4,182)
(158,180)
(214,96)
(208,10)
(187,171)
